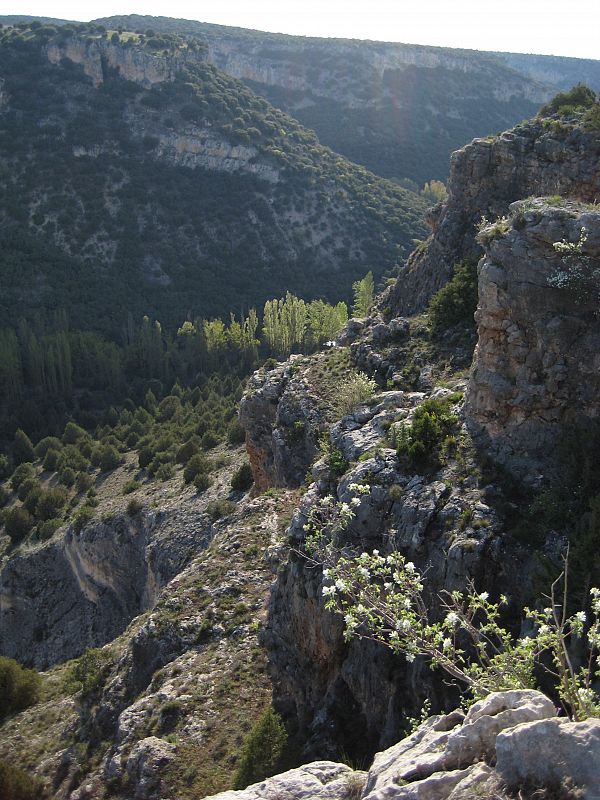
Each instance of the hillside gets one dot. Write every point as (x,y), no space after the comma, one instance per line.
(137,178)
(398,109)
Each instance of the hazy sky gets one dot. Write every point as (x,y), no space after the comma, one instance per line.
(565,27)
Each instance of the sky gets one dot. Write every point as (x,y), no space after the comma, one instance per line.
(553,27)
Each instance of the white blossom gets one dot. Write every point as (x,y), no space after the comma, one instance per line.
(410,657)
(452,618)
(409,566)
(328,591)
(484,596)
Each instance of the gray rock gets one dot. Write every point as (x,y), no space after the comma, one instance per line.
(550,751)
(145,767)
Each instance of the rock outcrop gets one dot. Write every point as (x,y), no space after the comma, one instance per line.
(83,589)
(283,421)
(506,742)
(536,368)
(533,159)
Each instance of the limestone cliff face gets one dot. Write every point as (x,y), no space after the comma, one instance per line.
(82,590)
(537,363)
(132,63)
(487,175)
(305,66)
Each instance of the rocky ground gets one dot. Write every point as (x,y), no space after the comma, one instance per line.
(510,742)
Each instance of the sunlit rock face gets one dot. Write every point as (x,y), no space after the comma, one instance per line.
(486,176)
(536,368)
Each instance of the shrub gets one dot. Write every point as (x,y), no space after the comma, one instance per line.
(3,496)
(145,456)
(67,477)
(164,472)
(134,506)
(357,388)
(209,440)
(564,103)
(71,457)
(262,750)
(131,486)
(197,465)
(45,530)
(419,444)
(22,448)
(83,482)
(17,523)
(26,487)
(217,509)
(48,443)
(49,504)
(51,460)
(19,687)
(17,785)
(72,433)
(22,473)
(109,458)
(82,517)
(235,433)
(456,302)
(187,450)
(242,478)
(88,672)
(202,482)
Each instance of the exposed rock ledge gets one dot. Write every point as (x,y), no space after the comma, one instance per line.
(507,741)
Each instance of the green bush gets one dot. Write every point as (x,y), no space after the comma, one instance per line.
(71,457)
(235,433)
(420,443)
(72,433)
(197,465)
(109,458)
(22,448)
(564,103)
(355,389)
(67,477)
(83,482)
(19,687)
(217,509)
(209,440)
(48,443)
(88,672)
(131,486)
(456,302)
(50,461)
(26,487)
(187,450)
(18,522)
(46,530)
(49,504)
(3,496)
(15,784)
(164,472)
(22,473)
(82,517)
(202,482)
(134,506)
(242,478)
(261,751)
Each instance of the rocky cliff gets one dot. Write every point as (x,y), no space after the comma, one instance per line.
(536,369)
(542,157)
(82,590)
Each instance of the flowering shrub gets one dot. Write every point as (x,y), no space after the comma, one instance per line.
(381,597)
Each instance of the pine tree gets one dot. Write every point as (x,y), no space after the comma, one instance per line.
(22,448)
(262,750)
(364,294)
